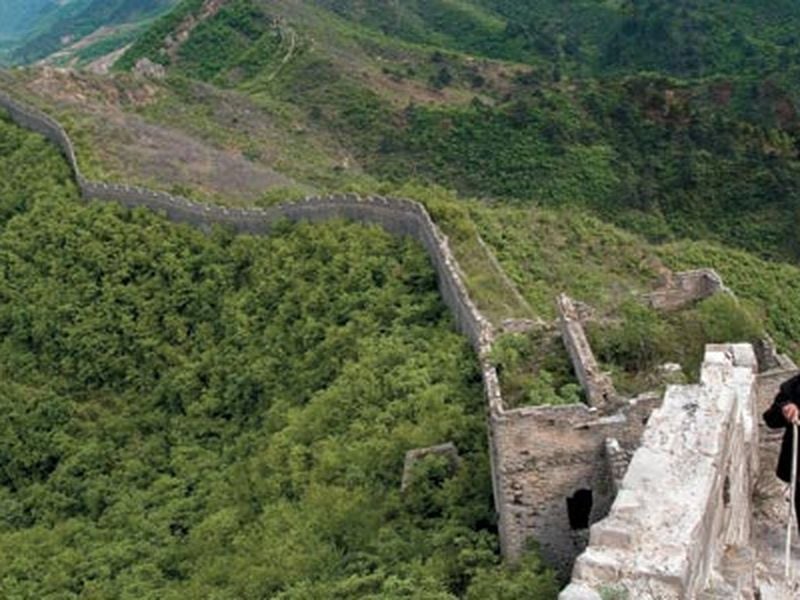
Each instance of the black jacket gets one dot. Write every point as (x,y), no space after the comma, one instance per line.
(773,417)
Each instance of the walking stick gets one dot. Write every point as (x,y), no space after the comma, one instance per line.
(792,514)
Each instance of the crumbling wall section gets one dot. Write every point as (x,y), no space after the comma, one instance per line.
(619,459)
(687,495)
(682,289)
(596,384)
(548,456)
(769,359)
(448,451)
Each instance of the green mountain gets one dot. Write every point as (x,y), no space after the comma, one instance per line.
(40,28)
(574,120)
(198,415)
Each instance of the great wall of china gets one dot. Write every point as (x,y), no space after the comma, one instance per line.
(560,474)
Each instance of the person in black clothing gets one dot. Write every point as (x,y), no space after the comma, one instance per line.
(784,411)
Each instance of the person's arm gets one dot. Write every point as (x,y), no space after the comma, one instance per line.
(774,417)
(784,406)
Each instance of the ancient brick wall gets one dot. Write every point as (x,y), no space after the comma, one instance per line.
(596,384)
(398,216)
(548,455)
(540,457)
(40,123)
(687,495)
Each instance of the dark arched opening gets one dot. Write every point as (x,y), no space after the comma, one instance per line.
(579,509)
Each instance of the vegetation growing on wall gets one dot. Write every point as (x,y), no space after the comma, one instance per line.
(535,370)
(636,346)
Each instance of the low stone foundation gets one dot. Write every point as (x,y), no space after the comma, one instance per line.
(681,289)
(447,451)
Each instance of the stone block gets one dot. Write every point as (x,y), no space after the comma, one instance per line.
(611,535)
(448,451)
(579,591)
(627,502)
(595,566)
(744,355)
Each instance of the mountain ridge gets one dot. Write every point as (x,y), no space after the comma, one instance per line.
(45,27)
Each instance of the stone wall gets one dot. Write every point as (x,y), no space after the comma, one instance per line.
(596,384)
(682,289)
(545,461)
(398,216)
(687,497)
(769,359)
(545,456)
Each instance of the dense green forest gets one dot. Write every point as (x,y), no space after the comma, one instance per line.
(216,416)
(221,416)
(582,37)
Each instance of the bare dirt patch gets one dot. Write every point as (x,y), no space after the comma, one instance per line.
(126,147)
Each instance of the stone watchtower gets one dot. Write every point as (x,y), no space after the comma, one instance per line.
(557,467)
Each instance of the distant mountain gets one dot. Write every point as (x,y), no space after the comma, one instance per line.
(580,37)
(38,28)
(19,16)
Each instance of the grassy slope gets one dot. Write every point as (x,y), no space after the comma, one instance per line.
(652,153)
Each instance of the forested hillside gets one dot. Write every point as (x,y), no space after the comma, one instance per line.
(583,108)
(195,416)
(36,29)
(579,123)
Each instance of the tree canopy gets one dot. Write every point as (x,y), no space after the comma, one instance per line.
(221,416)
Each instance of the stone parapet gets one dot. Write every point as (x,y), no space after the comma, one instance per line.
(686,497)
(555,476)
